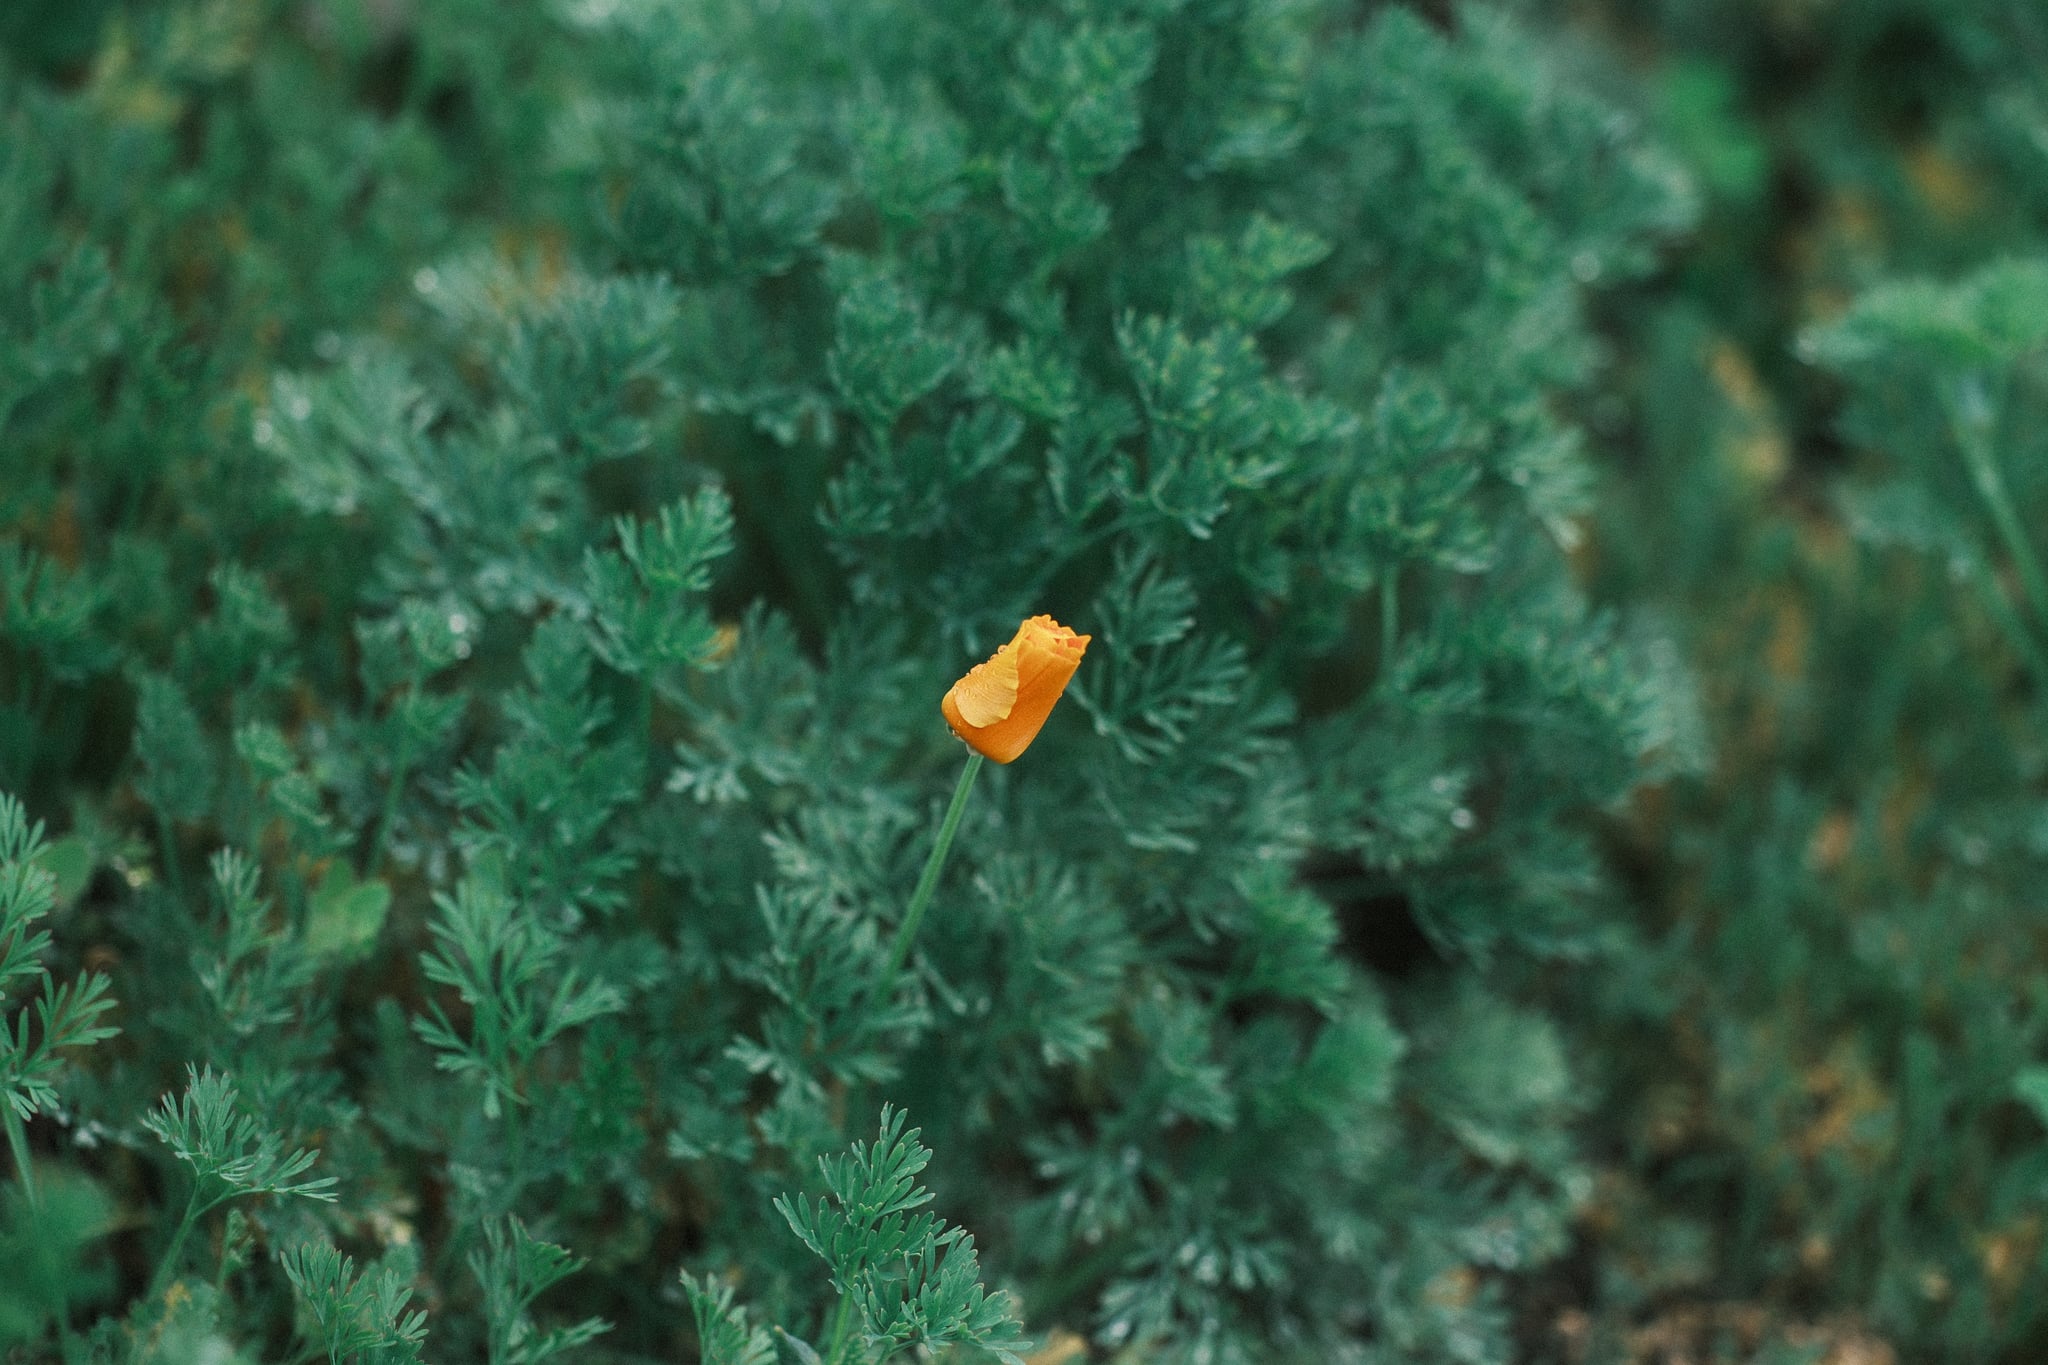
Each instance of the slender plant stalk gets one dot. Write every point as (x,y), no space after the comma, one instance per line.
(17,1139)
(401,765)
(168,1267)
(2016,631)
(921,899)
(842,1320)
(515,1152)
(1390,618)
(167,838)
(1974,437)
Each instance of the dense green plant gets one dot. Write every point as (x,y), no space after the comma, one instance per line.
(495,495)
(545,590)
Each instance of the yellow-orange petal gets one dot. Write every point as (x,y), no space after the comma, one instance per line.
(1000,705)
(989,691)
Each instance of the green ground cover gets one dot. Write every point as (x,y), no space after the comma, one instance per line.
(1542,859)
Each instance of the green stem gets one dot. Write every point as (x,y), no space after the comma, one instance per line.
(921,899)
(2016,633)
(401,766)
(515,1153)
(17,1138)
(1972,432)
(842,1323)
(1390,618)
(168,1267)
(167,838)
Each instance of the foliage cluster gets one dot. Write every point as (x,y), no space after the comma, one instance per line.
(495,493)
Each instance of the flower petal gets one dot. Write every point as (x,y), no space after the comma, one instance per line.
(989,691)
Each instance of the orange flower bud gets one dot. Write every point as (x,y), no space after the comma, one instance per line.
(1000,705)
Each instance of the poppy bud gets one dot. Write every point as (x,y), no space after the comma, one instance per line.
(1000,705)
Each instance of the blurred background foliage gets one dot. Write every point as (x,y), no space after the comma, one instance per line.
(1832,415)
(1539,863)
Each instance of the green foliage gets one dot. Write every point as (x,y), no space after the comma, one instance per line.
(232,1153)
(913,1280)
(515,1268)
(1855,500)
(65,1016)
(724,1336)
(1536,853)
(644,597)
(500,961)
(610,427)
(358,1317)
(51,1248)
